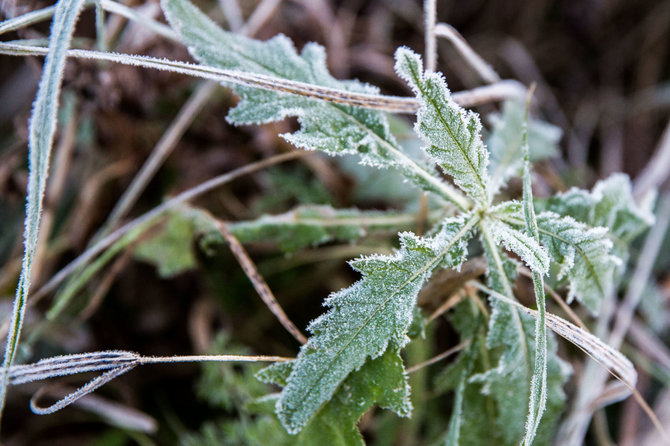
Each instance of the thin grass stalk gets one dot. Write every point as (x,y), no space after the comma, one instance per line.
(430,13)
(184,197)
(394,104)
(260,285)
(483,69)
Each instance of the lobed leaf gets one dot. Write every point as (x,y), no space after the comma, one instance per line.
(582,254)
(517,241)
(610,204)
(333,128)
(452,135)
(366,317)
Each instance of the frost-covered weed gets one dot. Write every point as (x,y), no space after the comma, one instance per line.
(351,361)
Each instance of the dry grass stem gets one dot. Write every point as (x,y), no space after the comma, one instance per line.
(430,14)
(642,273)
(558,299)
(185,196)
(259,283)
(483,69)
(445,354)
(395,104)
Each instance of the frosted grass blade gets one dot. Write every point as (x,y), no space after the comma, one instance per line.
(40,139)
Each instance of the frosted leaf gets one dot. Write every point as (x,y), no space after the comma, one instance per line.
(333,128)
(611,205)
(584,257)
(526,247)
(452,135)
(583,254)
(364,318)
(381,381)
(508,383)
(171,248)
(506,138)
(465,426)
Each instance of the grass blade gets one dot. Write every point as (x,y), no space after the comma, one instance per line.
(40,139)
(537,401)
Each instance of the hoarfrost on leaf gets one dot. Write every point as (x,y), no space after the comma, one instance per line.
(333,128)
(610,204)
(364,318)
(516,240)
(584,256)
(452,134)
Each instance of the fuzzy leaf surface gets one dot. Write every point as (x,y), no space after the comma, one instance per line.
(380,381)
(452,134)
(505,142)
(333,128)
(364,318)
(609,204)
(582,255)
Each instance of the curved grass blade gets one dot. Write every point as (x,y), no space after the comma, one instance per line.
(40,139)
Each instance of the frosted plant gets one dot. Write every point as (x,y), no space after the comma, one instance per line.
(508,366)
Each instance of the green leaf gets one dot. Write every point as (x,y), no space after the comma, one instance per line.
(470,404)
(582,254)
(367,316)
(171,248)
(380,381)
(488,388)
(537,402)
(511,339)
(452,135)
(40,140)
(525,246)
(333,128)
(506,139)
(313,225)
(610,204)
